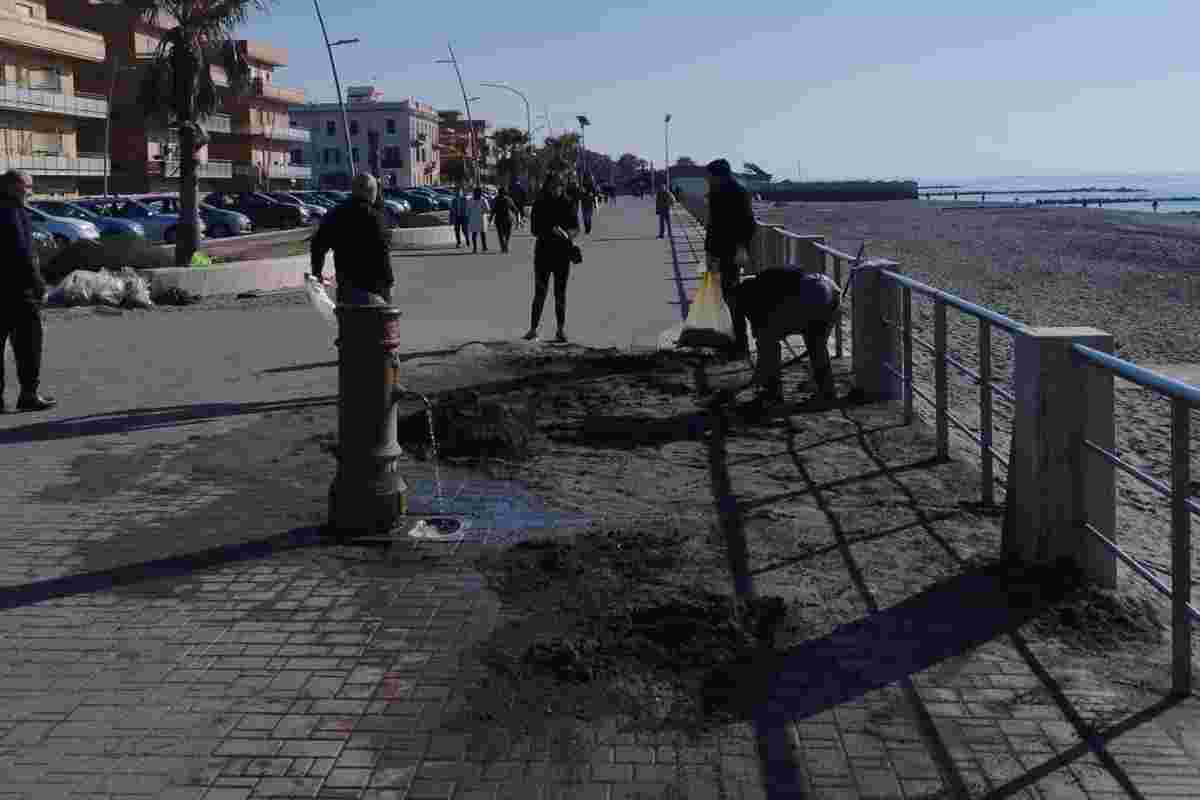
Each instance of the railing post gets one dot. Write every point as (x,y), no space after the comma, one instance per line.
(942,410)
(837,276)
(874,343)
(1181,550)
(906,302)
(1054,483)
(985,412)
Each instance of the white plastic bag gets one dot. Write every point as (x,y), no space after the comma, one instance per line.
(107,289)
(76,288)
(320,299)
(708,323)
(137,293)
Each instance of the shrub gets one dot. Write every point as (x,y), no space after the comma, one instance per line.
(201,259)
(112,254)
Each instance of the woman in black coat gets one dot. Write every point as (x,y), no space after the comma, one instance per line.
(554,225)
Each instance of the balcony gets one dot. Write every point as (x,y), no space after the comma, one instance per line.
(52,101)
(279,133)
(51,37)
(263,53)
(84,164)
(205,169)
(218,123)
(295,171)
(270,91)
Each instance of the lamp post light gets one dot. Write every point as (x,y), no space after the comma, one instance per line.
(466,102)
(528,118)
(337,84)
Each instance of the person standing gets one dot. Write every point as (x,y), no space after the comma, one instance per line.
(24,292)
(358,236)
(731,228)
(587,205)
(554,226)
(458,217)
(477,210)
(519,199)
(504,213)
(662,205)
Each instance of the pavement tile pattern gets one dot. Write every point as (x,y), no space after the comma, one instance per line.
(303,674)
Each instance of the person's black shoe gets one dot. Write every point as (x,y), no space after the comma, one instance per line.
(35,402)
(561,336)
(530,335)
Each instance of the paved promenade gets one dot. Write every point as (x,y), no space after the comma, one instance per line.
(277,668)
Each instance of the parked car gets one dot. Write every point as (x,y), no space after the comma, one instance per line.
(44,243)
(335,196)
(217,223)
(64,229)
(440,203)
(316,198)
(159,227)
(262,210)
(288,198)
(419,202)
(106,225)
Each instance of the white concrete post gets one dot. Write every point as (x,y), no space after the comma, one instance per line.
(1054,483)
(874,342)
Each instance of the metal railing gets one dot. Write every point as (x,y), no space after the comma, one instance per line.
(83,164)
(943,417)
(1183,399)
(52,101)
(218,123)
(281,133)
(204,169)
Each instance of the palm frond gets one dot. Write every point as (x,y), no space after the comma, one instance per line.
(237,69)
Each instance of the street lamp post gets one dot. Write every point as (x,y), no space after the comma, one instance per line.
(528,118)
(338,85)
(467,103)
(667,151)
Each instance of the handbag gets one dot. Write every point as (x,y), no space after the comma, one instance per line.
(576,254)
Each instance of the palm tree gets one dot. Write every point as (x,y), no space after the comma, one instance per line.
(178,88)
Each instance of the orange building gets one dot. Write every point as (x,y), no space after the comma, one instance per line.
(251,137)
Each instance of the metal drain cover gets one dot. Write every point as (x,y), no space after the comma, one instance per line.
(438,529)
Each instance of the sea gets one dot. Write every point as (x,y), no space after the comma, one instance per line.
(1020,189)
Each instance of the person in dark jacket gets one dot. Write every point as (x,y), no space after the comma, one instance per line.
(662,206)
(358,236)
(504,214)
(458,217)
(784,302)
(554,225)
(24,292)
(587,204)
(731,226)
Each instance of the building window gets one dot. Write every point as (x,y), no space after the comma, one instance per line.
(330,128)
(337,156)
(354,155)
(25,10)
(391,126)
(325,156)
(354,129)
(297,157)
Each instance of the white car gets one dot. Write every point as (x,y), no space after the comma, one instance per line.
(63,229)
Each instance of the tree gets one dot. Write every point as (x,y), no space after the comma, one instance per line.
(684,161)
(178,88)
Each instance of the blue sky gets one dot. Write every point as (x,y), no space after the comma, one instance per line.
(818,89)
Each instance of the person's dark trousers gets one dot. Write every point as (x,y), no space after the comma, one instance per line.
(476,239)
(730,277)
(504,233)
(542,273)
(662,224)
(768,366)
(587,219)
(460,233)
(21,320)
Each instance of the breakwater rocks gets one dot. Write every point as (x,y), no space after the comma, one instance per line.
(840,191)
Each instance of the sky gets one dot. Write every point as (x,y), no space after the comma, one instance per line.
(803,88)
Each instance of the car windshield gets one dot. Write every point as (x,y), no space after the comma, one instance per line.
(132,210)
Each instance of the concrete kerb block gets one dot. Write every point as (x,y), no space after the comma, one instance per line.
(1054,482)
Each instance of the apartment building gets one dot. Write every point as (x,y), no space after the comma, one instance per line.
(251,136)
(458,144)
(41,110)
(395,141)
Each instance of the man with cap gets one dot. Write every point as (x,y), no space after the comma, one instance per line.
(785,302)
(358,236)
(731,226)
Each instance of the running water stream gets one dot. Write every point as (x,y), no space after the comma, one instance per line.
(436,527)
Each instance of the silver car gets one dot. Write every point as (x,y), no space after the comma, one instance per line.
(63,229)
